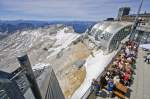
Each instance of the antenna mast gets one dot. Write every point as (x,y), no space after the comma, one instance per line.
(136,21)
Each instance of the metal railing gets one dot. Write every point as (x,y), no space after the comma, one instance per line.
(89,91)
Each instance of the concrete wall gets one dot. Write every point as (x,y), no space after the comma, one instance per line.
(54,91)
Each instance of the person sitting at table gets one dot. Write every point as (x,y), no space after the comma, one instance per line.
(121,75)
(107,78)
(129,69)
(95,86)
(129,60)
(122,55)
(121,64)
(133,53)
(116,79)
(123,58)
(107,73)
(110,87)
(114,64)
(127,51)
(103,81)
(113,72)
(126,78)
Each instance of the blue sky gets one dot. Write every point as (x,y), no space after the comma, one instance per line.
(65,9)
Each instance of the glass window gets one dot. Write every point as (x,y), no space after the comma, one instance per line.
(106,36)
(3,94)
(97,35)
(92,31)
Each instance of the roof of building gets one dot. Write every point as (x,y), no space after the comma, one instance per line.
(110,26)
(104,31)
(143,15)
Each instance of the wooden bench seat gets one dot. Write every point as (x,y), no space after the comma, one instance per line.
(122,88)
(119,94)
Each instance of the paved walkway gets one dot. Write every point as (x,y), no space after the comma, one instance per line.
(141,86)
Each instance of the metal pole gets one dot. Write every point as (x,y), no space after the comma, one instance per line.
(25,63)
(135,22)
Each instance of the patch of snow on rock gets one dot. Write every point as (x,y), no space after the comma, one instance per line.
(40,66)
(63,40)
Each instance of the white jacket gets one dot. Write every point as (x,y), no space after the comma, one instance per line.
(148,56)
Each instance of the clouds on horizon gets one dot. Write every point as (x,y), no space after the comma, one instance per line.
(65,9)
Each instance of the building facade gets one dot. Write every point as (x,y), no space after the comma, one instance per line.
(144,18)
(122,12)
(53,90)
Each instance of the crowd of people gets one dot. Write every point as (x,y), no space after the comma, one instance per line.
(120,71)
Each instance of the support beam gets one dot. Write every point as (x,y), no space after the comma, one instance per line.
(25,64)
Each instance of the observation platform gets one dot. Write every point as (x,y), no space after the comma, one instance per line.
(141,84)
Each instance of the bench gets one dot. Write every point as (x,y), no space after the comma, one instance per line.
(122,88)
(119,94)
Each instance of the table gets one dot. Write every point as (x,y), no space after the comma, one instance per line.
(121,87)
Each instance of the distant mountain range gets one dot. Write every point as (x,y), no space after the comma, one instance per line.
(79,26)
(12,26)
(9,27)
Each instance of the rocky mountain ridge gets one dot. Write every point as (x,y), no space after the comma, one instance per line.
(34,42)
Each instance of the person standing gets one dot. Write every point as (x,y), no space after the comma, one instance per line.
(148,59)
